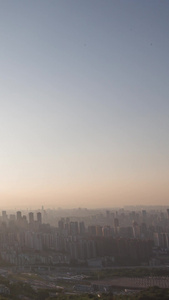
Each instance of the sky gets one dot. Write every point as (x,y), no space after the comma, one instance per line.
(84,103)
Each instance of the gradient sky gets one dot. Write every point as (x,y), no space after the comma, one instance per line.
(84,103)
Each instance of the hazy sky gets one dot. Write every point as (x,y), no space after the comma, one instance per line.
(84,102)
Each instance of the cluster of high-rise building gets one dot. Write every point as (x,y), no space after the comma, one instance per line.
(120,237)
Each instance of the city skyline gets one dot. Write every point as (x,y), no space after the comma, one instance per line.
(84,103)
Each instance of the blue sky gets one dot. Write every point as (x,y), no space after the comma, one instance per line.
(84,116)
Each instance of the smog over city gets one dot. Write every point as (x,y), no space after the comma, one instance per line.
(84,149)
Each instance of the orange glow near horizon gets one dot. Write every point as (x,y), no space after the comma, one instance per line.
(95,195)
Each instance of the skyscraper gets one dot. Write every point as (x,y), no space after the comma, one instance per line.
(31,218)
(39,217)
